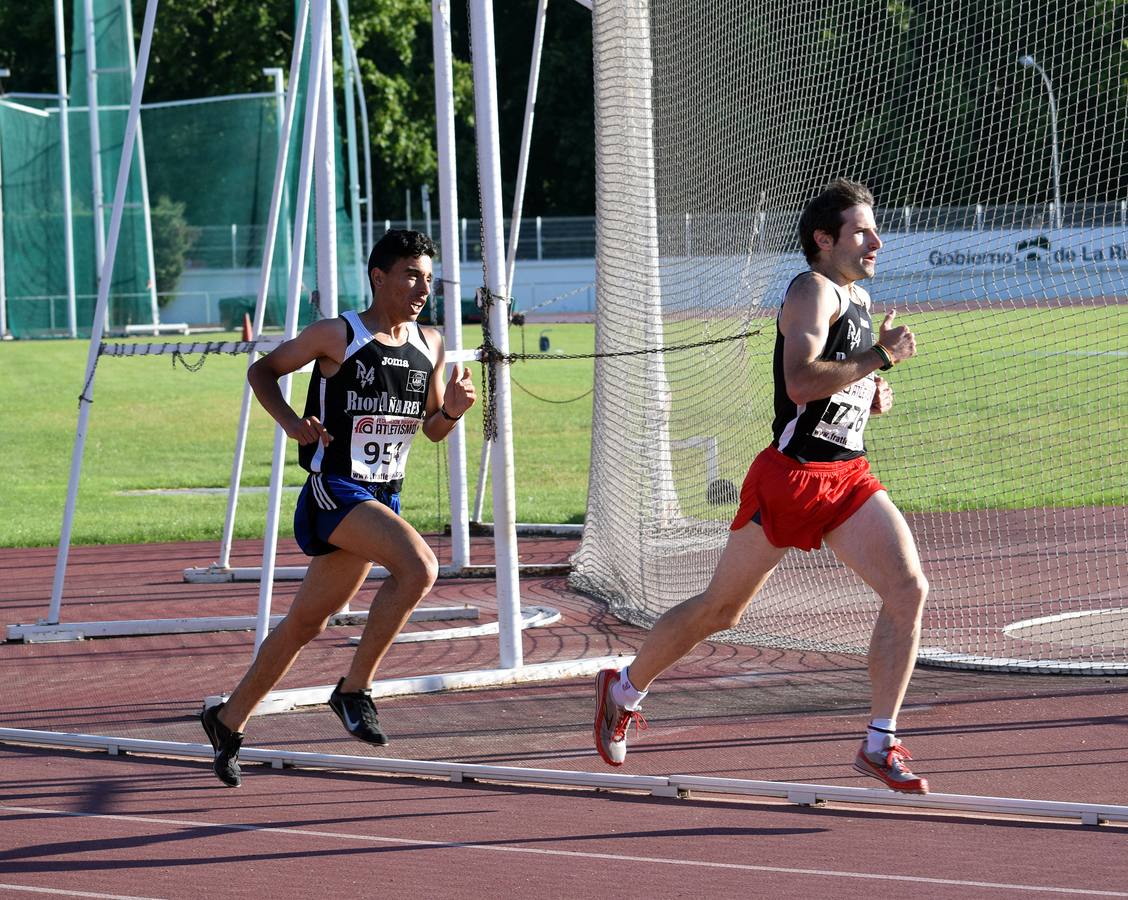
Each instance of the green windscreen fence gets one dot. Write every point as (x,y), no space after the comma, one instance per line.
(34,275)
(209,166)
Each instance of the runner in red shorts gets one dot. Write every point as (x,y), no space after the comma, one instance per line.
(811,485)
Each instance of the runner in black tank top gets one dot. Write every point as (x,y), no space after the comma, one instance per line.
(373,405)
(811,485)
(830,428)
(378,382)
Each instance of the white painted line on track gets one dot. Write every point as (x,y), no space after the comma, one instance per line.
(575,854)
(58,892)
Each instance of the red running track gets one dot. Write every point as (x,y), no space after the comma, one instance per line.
(92,825)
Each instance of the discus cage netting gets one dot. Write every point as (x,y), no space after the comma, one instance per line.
(993,137)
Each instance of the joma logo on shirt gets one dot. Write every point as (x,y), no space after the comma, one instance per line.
(395,361)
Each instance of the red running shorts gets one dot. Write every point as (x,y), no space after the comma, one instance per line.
(797,503)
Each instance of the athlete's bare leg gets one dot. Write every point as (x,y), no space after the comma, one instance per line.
(370,532)
(745,564)
(876,543)
(329,584)
(374,532)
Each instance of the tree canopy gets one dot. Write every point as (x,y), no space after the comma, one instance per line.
(205,48)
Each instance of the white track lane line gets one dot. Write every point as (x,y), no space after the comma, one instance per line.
(576,854)
(61,893)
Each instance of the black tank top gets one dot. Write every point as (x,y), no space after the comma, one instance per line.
(373,406)
(832,428)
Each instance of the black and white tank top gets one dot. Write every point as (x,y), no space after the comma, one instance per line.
(829,429)
(373,406)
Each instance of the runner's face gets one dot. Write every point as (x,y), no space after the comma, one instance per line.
(404,288)
(853,254)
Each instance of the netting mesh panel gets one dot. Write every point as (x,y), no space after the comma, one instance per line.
(1001,200)
(129,299)
(214,158)
(32,218)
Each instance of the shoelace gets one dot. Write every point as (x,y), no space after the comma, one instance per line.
(368,710)
(895,754)
(628,717)
(362,703)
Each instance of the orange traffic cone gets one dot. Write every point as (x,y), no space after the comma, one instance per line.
(247,327)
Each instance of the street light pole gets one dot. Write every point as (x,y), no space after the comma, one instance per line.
(1031,63)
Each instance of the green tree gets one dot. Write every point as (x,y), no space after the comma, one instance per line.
(172,239)
(204,48)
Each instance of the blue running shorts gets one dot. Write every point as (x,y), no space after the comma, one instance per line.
(325,500)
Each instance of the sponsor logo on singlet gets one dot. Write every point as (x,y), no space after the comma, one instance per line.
(395,361)
(416,381)
(365,376)
(382,403)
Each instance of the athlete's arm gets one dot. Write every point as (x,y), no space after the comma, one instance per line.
(324,340)
(809,309)
(455,396)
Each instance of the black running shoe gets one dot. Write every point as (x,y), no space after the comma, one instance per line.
(226,744)
(358,714)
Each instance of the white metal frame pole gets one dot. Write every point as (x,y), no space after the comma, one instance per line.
(285,130)
(317,45)
(98,194)
(518,203)
(354,168)
(278,198)
(64,144)
(363,104)
(368,200)
(100,310)
(451,265)
(143,177)
(326,184)
(489,167)
(526,141)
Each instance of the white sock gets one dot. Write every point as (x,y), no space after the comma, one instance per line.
(880,734)
(626,694)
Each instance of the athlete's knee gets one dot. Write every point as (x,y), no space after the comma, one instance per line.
(303,628)
(906,598)
(417,573)
(721,613)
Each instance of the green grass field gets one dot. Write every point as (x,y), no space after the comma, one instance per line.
(154,426)
(1006,408)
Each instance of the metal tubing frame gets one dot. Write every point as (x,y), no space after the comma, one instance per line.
(97,191)
(451,266)
(489,168)
(101,308)
(279,195)
(64,144)
(325,190)
(518,203)
(683,786)
(143,178)
(348,57)
(319,16)
(526,141)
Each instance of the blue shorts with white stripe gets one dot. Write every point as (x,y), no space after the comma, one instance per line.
(325,500)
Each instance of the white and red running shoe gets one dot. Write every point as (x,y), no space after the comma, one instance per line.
(612,720)
(888,767)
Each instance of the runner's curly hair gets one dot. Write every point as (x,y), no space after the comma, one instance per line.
(824,212)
